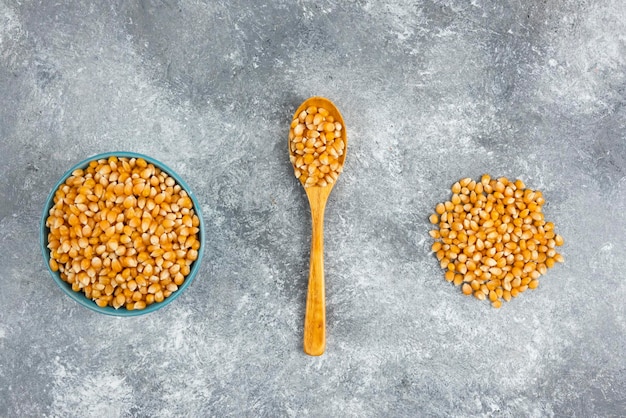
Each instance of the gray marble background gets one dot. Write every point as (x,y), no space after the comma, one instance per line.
(431,91)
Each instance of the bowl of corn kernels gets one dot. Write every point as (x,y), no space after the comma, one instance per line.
(122,234)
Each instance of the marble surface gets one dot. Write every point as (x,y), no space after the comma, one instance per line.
(431,91)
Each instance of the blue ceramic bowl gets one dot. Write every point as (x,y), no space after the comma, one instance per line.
(80,296)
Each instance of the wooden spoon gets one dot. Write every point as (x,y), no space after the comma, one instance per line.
(315,317)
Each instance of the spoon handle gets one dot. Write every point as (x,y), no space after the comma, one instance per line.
(315,316)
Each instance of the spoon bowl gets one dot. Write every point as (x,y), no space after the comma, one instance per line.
(327,149)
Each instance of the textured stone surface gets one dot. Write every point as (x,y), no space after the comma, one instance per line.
(431,91)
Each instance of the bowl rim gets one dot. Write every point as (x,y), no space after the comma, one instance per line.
(80,297)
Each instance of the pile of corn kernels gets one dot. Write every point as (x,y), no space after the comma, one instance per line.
(492,238)
(316,147)
(123,232)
